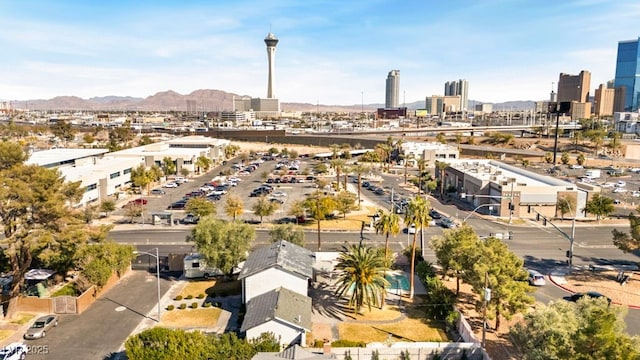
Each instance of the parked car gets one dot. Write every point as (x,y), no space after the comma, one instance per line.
(621,184)
(447,223)
(619,190)
(576,166)
(136,202)
(411,229)
(171,185)
(590,294)
(40,327)
(536,278)
(190,219)
(158,192)
(14,351)
(435,214)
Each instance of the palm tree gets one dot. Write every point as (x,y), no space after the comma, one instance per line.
(360,169)
(417,214)
(386,152)
(388,224)
(338,165)
(441,167)
(361,272)
(422,164)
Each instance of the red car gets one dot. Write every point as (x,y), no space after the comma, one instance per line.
(139,201)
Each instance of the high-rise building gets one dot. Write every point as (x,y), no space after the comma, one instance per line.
(575,90)
(392,94)
(439,105)
(603,101)
(459,88)
(628,73)
(271,42)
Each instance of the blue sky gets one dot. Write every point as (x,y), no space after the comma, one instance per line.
(331,52)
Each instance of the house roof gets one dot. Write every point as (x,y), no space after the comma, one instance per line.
(295,352)
(280,304)
(283,254)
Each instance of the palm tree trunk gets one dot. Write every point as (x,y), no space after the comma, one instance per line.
(386,247)
(413,266)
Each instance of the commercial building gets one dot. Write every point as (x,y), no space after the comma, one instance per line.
(392,93)
(575,90)
(628,74)
(428,151)
(437,105)
(495,188)
(603,101)
(458,88)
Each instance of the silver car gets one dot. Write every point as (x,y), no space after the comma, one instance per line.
(41,326)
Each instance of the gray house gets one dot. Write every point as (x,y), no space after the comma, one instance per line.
(283,312)
(282,264)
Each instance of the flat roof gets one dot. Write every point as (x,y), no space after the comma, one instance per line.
(100,169)
(197,139)
(53,156)
(495,171)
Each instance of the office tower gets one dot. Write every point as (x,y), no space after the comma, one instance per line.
(393,89)
(458,88)
(603,101)
(271,42)
(575,90)
(628,73)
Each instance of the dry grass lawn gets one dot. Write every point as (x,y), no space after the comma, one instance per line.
(22,318)
(405,330)
(388,313)
(202,317)
(5,334)
(196,287)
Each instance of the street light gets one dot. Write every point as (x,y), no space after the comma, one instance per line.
(474,210)
(157,256)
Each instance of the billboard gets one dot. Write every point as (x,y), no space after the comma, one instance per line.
(421,113)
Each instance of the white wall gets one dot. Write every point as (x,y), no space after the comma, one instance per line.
(271,279)
(286,333)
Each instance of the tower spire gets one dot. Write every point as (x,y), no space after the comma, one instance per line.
(271,41)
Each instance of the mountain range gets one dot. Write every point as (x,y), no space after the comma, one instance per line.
(205,100)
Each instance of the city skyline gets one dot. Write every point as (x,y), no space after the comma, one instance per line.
(331,52)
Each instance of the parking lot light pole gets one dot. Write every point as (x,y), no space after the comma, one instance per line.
(157,256)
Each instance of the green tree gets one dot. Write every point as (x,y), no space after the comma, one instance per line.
(441,138)
(590,329)
(297,209)
(564,158)
(145,140)
(506,277)
(34,211)
(168,344)
(231,151)
(133,210)
(321,168)
(288,232)
(168,165)
(361,273)
(319,207)
(388,223)
(338,165)
(97,262)
(88,138)
(442,166)
(417,214)
(565,205)
(203,163)
(185,172)
(581,159)
(63,130)
(600,206)
(345,202)
(141,177)
(455,250)
(107,207)
(548,158)
(200,206)
(234,207)
(596,136)
(264,207)
(223,244)
(11,154)
(628,242)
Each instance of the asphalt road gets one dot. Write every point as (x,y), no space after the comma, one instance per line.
(100,331)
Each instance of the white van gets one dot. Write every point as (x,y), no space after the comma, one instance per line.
(536,278)
(196,267)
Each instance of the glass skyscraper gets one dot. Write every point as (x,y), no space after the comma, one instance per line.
(628,73)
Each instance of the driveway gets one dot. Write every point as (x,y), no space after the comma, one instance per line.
(100,331)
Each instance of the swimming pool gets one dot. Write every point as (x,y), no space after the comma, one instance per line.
(398,281)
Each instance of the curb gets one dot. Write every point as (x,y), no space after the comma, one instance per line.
(551,278)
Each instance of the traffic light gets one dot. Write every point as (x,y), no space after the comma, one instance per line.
(537,216)
(544,221)
(569,253)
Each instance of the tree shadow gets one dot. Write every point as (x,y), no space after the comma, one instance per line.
(325,301)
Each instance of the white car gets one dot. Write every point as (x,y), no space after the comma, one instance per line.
(279,194)
(536,278)
(621,184)
(619,190)
(14,351)
(576,166)
(171,185)
(607,185)
(635,194)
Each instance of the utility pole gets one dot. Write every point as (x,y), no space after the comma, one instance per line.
(487,298)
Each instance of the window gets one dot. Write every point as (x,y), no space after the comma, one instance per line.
(114,175)
(127,171)
(92,187)
(195,265)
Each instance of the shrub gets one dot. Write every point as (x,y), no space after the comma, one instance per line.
(189,297)
(207,305)
(179,297)
(170,307)
(194,305)
(348,343)
(183,306)
(200,296)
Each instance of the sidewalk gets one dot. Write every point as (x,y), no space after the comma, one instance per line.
(603,280)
